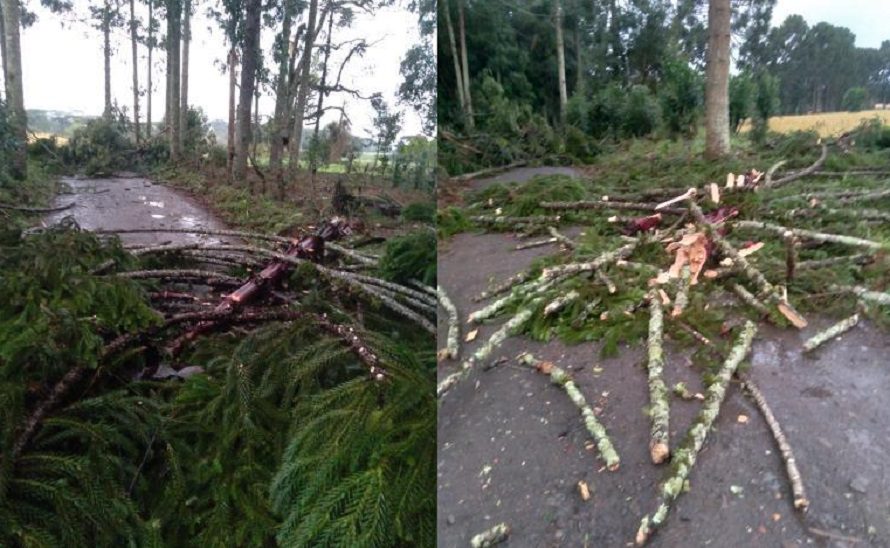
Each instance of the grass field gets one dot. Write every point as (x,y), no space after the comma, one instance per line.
(828,124)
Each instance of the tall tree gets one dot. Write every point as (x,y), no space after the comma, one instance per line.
(717,79)
(174,34)
(184,78)
(458,69)
(109,17)
(418,67)
(468,96)
(312,27)
(250,56)
(135,51)
(15,96)
(284,54)
(150,43)
(560,60)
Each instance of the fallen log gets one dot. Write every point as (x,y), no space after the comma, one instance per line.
(609,204)
(488,171)
(659,407)
(819,237)
(835,330)
(559,377)
(798,492)
(799,174)
(864,293)
(503,287)
(36,209)
(684,458)
(452,344)
(606,258)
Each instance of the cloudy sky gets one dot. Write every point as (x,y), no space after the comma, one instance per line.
(63,67)
(863,17)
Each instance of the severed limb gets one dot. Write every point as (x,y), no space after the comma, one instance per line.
(812,235)
(746,297)
(536,243)
(605,259)
(559,376)
(684,457)
(822,337)
(682,298)
(503,287)
(742,264)
(452,345)
(495,535)
(605,280)
(608,204)
(864,293)
(659,408)
(799,174)
(800,496)
(561,302)
(533,287)
(512,327)
(859,258)
(562,238)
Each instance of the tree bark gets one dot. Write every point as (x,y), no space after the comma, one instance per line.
(560,60)
(135,48)
(106,53)
(149,89)
(282,96)
(184,79)
(15,97)
(458,73)
(303,94)
(2,46)
(466,67)
(174,32)
(717,79)
(233,79)
(249,59)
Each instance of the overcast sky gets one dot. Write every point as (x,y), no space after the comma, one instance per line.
(868,19)
(63,67)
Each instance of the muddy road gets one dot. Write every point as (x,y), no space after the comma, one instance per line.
(133,202)
(512,445)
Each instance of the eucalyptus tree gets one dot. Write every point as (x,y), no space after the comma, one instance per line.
(418,67)
(717,79)
(15,98)
(250,56)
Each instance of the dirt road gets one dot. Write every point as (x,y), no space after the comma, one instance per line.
(134,202)
(512,446)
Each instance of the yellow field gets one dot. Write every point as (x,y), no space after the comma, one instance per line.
(828,124)
(34,135)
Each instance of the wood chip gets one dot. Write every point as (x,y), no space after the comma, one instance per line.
(744,252)
(715,193)
(471,336)
(665,300)
(685,195)
(730,180)
(742,419)
(545,367)
(584,490)
(710,273)
(740,181)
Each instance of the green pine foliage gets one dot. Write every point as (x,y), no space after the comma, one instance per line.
(410,257)
(223,458)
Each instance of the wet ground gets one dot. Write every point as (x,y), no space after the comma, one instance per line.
(512,446)
(129,202)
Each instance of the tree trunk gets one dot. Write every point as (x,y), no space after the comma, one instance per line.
(255,137)
(106,50)
(174,32)
(321,93)
(184,84)
(560,60)
(466,68)
(15,97)
(579,61)
(302,95)
(2,47)
(458,74)
(250,50)
(149,90)
(135,49)
(717,80)
(279,126)
(230,138)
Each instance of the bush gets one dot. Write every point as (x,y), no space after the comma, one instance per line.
(741,94)
(578,145)
(766,101)
(451,221)
(681,99)
(873,134)
(100,147)
(641,113)
(411,257)
(855,99)
(604,117)
(577,112)
(424,212)
(556,188)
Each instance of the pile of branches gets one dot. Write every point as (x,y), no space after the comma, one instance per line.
(200,345)
(679,267)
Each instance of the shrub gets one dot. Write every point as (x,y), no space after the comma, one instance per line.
(578,111)
(681,98)
(641,112)
(873,134)
(606,110)
(854,99)
(741,94)
(410,257)
(100,147)
(578,145)
(424,212)
(766,101)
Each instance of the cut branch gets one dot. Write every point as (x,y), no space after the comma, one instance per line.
(452,345)
(835,330)
(659,407)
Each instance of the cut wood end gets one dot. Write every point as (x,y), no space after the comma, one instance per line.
(584,490)
(796,319)
(676,312)
(614,467)
(801,504)
(642,536)
(659,452)
(711,274)
(753,248)
(665,300)
(715,193)
(544,367)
